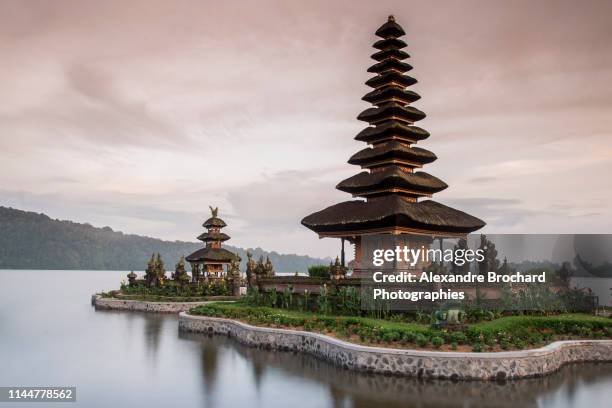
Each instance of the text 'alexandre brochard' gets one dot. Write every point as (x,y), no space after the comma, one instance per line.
(393,261)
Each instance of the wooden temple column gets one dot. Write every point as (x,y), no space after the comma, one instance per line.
(342,257)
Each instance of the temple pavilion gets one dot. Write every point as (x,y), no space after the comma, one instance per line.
(392,191)
(208,262)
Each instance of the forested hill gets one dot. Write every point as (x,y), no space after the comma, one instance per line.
(34,241)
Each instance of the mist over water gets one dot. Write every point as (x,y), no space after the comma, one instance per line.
(50,335)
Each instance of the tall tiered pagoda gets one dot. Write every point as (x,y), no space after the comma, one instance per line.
(208,262)
(391,187)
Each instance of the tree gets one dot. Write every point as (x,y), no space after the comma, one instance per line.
(319,271)
(160,271)
(150,272)
(505,268)
(260,268)
(180,273)
(490,263)
(462,245)
(565,273)
(269,268)
(250,270)
(155,273)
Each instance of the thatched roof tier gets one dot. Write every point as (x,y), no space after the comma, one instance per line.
(214,222)
(391,213)
(390,184)
(391,78)
(390,64)
(392,131)
(391,94)
(392,179)
(213,255)
(392,111)
(213,236)
(390,44)
(392,153)
(390,29)
(384,54)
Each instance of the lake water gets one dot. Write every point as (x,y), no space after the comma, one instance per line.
(50,335)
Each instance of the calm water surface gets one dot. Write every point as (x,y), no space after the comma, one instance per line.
(50,335)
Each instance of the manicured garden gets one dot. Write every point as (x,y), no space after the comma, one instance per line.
(414,331)
(156,286)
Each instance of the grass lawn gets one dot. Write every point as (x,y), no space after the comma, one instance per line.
(506,333)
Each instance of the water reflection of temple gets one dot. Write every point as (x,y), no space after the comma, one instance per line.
(153,329)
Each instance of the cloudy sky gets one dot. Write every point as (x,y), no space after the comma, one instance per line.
(138,115)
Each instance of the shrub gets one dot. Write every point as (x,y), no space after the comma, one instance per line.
(478,315)
(489,339)
(477,347)
(453,346)
(585,331)
(272,298)
(437,341)
(318,271)
(409,337)
(364,333)
(390,336)
(519,343)
(534,338)
(175,289)
(459,337)
(523,326)
(421,340)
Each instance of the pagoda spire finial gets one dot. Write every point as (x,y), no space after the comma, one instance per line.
(391,18)
(214,211)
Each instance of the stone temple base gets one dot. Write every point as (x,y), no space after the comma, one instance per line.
(423,364)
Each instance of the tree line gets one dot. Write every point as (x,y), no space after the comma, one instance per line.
(30,240)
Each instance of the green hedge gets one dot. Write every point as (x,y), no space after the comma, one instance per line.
(318,271)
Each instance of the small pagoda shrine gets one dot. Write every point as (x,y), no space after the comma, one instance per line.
(208,262)
(391,188)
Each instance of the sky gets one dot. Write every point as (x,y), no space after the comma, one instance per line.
(138,115)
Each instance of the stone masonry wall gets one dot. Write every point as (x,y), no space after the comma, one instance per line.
(102,303)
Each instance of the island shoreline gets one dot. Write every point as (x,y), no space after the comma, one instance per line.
(404,362)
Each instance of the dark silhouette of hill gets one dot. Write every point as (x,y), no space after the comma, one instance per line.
(30,240)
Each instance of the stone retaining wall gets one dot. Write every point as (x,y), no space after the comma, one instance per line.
(425,364)
(103,303)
